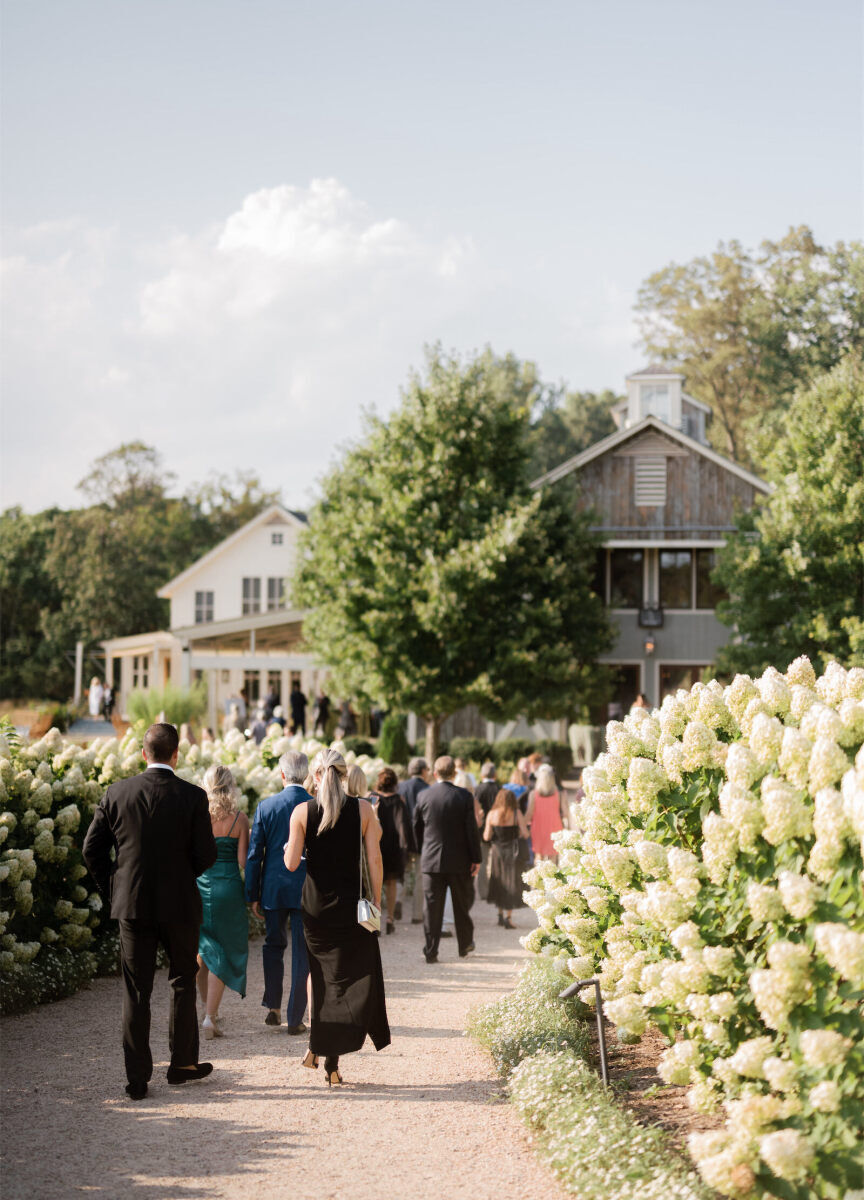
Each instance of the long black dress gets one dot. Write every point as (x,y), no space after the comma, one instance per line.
(397,836)
(505,871)
(344,958)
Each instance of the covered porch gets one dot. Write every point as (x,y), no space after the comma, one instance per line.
(253,655)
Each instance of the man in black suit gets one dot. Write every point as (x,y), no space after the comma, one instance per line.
(159,829)
(448,841)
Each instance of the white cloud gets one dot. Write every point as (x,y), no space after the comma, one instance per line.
(256,342)
(251,344)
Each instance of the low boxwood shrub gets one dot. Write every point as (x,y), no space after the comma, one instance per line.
(511,750)
(559,754)
(358,745)
(472,749)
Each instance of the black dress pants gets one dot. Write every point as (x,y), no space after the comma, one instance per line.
(435,887)
(139,941)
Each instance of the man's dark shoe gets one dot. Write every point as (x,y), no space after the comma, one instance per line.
(136,1091)
(297,1029)
(468,950)
(272,1018)
(431,958)
(416,920)
(184,1075)
(446,932)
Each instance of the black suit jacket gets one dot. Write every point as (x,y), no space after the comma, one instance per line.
(445,829)
(159,827)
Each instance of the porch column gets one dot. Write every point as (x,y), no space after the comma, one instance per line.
(79,672)
(185,667)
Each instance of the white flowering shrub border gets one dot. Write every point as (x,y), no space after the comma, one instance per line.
(716,886)
(52,931)
(598,1150)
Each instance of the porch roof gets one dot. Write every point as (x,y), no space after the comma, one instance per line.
(270,631)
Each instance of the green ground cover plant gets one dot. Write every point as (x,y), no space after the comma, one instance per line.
(538,1044)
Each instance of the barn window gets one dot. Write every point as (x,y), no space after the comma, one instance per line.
(650,480)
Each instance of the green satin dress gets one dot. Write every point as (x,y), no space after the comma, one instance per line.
(223,941)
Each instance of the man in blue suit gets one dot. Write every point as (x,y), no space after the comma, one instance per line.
(271,886)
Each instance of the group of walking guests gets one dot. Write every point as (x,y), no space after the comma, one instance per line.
(170,859)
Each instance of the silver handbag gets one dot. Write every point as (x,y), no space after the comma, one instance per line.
(368,916)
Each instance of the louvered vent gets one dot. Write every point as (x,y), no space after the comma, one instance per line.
(650,480)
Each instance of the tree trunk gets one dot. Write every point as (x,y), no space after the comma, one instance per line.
(433,729)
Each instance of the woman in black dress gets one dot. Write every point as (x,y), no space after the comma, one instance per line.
(505,825)
(397,837)
(344,958)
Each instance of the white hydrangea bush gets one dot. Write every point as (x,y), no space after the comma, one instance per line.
(48,792)
(715,885)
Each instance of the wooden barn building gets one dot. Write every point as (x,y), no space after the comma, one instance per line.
(665,502)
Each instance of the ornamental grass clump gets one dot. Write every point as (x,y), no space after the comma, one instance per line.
(715,885)
(53,931)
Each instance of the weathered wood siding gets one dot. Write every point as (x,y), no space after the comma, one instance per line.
(702,497)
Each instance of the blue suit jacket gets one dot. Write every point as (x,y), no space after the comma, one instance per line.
(268,880)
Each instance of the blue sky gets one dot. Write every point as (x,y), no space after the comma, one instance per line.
(228,227)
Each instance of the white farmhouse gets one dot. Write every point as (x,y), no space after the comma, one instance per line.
(230,623)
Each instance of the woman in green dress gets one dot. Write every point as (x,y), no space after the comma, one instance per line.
(223,943)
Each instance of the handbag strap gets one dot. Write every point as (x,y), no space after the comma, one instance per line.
(365,881)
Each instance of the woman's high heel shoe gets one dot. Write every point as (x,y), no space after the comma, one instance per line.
(391,928)
(310,1060)
(212,1028)
(334,1079)
(507,923)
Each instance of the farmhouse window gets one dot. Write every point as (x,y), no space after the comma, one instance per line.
(676,583)
(275,594)
(203,607)
(277,538)
(625,578)
(251,596)
(140,670)
(708,594)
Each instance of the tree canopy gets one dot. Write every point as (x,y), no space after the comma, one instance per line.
(565,423)
(748,327)
(93,572)
(435,577)
(795,568)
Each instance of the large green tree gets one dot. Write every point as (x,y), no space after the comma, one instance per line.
(795,569)
(435,577)
(748,327)
(565,423)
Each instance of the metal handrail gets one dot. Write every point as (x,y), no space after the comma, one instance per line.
(573,990)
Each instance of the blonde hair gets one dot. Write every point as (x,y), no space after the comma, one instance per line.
(222,791)
(331,786)
(545,785)
(517,775)
(356,783)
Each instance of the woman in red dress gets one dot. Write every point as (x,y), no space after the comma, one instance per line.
(545,812)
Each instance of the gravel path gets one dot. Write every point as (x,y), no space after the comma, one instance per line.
(423,1120)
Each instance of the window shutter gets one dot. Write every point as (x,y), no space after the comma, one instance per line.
(650,480)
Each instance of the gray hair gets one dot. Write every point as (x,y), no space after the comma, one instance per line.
(294,766)
(417,766)
(487,771)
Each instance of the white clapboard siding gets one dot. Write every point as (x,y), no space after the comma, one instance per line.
(650,480)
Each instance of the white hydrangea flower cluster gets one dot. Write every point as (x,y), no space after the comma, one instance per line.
(49,789)
(720,860)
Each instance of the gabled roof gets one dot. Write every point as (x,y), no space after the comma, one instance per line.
(657,369)
(273,515)
(622,435)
